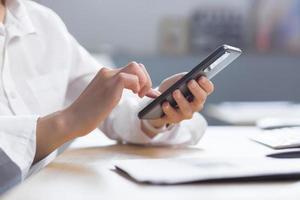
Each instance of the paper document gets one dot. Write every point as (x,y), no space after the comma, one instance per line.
(247,113)
(177,171)
(282,138)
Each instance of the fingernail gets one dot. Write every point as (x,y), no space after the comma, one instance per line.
(203,79)
(157,92)
(142,93)
(166,105)
(177,93)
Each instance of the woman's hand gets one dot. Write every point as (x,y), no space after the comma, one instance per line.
(200,89)
(94,105)
(104,93)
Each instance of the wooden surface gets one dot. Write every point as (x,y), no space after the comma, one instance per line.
(85,171)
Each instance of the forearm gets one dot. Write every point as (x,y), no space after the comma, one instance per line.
(52,131)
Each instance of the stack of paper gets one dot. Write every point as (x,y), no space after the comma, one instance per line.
(178,171)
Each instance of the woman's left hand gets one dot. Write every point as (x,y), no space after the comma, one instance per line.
(200,89)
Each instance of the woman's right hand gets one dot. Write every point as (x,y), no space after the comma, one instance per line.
(103,93)
(91,108)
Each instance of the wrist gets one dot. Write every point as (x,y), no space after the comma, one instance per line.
(152,128)
(62,123)
(51,132)
(69,124)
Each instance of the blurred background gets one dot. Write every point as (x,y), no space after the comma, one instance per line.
(172,36)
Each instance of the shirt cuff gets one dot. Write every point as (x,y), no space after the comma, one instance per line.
(124,125)
(20,139)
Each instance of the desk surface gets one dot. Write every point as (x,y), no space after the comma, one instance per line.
(85,171)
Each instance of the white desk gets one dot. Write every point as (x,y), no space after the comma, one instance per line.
(84,173)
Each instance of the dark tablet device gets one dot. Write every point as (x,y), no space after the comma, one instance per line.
(209,67)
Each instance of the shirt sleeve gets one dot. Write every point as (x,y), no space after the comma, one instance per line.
(17,148)
(124,125)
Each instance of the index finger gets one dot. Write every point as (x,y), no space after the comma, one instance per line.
(148,85)
(135,69)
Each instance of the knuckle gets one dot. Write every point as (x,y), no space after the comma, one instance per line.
(121,77)
(133,66)
(103,71)
(142,66)
(143,81)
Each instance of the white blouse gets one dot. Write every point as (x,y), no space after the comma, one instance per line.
(43,69)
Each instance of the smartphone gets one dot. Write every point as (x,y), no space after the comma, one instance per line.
(209,67)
